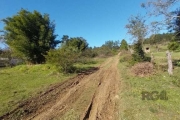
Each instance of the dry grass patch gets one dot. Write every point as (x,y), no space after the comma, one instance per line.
(143,69)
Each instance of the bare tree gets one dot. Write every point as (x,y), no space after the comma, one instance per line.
(161,8)
(137,28)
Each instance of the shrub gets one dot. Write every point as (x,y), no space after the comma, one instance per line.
(174,46)
(139,55)
(63,58)
(125,56)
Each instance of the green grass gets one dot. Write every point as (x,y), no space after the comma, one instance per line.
(132,106)
(21,82)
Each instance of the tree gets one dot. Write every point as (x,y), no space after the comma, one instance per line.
(77,42)
(175,25)
(137,28)
(110,44)
(30,35)
(124,45)
(1,36)
(65,38)
(138,55)
(161,8)
(2,40)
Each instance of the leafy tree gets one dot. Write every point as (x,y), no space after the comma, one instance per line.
(108,44)
(65,38)
(109,48)
(30,35)
(124,45)
(76,42)
(112,44)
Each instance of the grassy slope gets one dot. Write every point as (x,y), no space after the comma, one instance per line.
(133,107)
(21,82)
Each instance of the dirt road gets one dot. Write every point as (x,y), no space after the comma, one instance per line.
(89,96)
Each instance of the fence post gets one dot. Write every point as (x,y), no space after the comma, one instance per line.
(170,65)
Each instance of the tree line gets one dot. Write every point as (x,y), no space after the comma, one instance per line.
(31,36)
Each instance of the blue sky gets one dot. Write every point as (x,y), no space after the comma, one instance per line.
(95,20)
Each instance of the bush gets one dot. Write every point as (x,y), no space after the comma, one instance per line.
(139,55)
(63,58)
(125,56)
(89,53)
(174,46)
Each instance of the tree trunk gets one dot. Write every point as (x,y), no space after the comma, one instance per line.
(170,65)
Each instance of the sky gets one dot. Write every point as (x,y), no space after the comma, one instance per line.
(96,21)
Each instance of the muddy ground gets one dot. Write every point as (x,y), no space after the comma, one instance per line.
(91,95)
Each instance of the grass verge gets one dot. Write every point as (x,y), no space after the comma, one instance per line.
(132,106)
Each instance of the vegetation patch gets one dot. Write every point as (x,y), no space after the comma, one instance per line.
(23,81)
(131,104)
(143,69)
